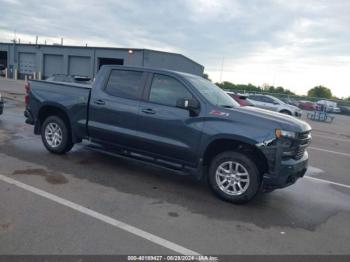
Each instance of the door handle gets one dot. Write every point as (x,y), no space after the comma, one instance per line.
(148,111)
(99,102)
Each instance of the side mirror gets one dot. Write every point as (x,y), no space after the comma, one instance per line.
(191,105)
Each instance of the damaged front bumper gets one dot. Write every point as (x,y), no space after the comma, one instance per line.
(284,168)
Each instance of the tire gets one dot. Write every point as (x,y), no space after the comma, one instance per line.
(56,128)
(286,112)
(250,183)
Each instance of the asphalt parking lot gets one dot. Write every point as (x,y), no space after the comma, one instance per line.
(89,203)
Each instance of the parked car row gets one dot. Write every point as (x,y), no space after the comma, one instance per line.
(266,102)
(308,105)
(286,105)
(329,106)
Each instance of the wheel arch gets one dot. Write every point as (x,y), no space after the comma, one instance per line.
(53,110)
(286,110)
(238,144)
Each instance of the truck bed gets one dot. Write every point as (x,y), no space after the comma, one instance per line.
(72,98)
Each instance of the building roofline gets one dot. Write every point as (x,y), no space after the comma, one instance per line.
(99,47)
(72,46)
(173,53)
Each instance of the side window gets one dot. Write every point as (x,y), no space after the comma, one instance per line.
(166,90)
(268,100)
(125,84)
(255,98)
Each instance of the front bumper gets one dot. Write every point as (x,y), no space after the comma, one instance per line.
(286,173)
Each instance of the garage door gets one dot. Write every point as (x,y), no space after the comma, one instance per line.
(27,63)
(79,65)
(53,64)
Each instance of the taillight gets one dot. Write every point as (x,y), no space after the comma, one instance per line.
(26,97)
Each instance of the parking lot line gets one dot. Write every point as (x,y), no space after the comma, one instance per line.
(106,219)
(327,181)
(329,151)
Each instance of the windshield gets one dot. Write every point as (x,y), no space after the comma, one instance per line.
(212,92)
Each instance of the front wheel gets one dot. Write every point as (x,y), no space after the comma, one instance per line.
(56,136)
(234,177)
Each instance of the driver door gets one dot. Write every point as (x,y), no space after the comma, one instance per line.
(168,132)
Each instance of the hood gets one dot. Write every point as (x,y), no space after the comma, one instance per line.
(273,119)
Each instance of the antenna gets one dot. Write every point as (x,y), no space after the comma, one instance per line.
(61,40)
(36,40)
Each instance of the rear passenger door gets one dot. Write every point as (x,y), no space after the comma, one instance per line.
(113,112)
(168,132)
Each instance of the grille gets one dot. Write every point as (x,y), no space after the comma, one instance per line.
(303,141)
(299,153)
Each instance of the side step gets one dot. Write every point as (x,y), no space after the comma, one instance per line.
(125,154)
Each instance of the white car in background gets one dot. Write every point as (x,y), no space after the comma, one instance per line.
(274,104)
(330,106)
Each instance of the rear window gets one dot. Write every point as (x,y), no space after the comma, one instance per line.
(125,84)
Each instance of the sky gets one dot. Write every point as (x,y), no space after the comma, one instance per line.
(297,44)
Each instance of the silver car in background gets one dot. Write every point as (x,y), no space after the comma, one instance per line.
(274,104)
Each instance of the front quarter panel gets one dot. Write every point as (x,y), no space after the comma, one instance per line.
(233,125)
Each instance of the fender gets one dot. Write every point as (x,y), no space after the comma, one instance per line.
(205,144)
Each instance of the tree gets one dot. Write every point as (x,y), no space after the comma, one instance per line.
(320,91)
(252,88)
(206,76)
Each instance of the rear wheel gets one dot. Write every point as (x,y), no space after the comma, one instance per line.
(234,177)
(56,136)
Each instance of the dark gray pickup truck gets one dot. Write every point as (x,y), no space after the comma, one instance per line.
(174,120)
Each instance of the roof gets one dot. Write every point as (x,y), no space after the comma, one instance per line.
(150,69)
(99,47)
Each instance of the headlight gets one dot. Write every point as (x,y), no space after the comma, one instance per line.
(282,133)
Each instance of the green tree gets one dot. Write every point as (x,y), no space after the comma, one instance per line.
(206,76)
(320,91)
(252,88)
